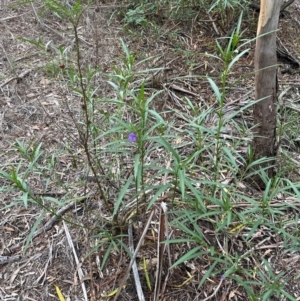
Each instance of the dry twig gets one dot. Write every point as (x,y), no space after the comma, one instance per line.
(46,227)
(79,270)
(134,255)
(134,266)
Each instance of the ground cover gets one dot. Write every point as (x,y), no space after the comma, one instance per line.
(188,149)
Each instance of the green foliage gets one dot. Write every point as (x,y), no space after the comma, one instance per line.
(136,16)
(141,13)
(145,157)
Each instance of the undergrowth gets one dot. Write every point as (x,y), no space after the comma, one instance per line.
(140,159)
(144,13)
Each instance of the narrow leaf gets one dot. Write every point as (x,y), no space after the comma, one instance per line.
(59,293)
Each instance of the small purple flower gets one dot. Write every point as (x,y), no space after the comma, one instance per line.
(132,137)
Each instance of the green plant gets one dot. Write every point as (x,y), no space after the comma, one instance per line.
(216,204)
(139,158)
(141,13)
(136,16)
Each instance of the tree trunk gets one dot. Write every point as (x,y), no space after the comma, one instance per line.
(266,87)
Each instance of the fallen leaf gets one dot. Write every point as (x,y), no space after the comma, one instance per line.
(59,294)
(231,295)
(44,81)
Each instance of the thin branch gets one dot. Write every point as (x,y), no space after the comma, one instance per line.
(134,266)
(121,284)
(79,270)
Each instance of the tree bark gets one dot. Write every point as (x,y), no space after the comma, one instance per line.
(265,88)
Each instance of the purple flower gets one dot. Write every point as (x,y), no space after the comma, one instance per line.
(132,137)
